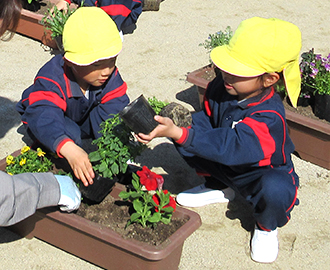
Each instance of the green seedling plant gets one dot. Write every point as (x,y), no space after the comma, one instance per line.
(151,203)
(217,39)
(55,19)
(157,104)
(115,148)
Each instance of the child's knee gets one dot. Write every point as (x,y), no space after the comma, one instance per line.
(278,188)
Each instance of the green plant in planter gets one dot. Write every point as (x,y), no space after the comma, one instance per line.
(30,1)
(151,203)
(55,19)
(28,161)
(157,104)
(315,72)
(115,148)
(217,39)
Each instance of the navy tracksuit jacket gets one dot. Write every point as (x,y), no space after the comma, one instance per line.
(123,12)
(55,110)
(246,146)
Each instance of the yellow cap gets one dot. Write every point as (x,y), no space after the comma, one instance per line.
(261,46)
(90,35)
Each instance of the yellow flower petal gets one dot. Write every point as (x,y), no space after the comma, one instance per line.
(9,160)
(40,153)
(25,149)
(22,161)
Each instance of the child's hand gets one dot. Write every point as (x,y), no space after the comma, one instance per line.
(166,128)
(61,5)
(79,162)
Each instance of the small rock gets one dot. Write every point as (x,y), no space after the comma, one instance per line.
(180,115)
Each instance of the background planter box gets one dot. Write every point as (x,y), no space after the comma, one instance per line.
(102,246)
(310,137)
(30,25)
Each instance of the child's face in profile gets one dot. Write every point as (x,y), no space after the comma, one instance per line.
(243,87)
(247,87)
(95,74)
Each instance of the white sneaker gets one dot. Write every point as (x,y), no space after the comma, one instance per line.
(201,195)
(264,246)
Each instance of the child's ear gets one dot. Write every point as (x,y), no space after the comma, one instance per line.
(270,79)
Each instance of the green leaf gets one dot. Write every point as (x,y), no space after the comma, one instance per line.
(138,206)
(124,195)
(135,216)
(168,209)
(103,166)
(94,156)
(135,195)
(115,168)
(166,220)
(156,217)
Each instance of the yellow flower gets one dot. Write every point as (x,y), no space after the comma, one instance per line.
(10,160)
(22,161)
(25,149)
(40,153)
(10,173)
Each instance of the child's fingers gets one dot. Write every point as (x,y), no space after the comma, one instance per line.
(142,138)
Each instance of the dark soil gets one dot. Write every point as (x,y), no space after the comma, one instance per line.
(114,214)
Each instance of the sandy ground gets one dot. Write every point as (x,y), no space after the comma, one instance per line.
(154,61)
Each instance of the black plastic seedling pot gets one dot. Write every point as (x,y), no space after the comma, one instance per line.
(139,116)
(99,189)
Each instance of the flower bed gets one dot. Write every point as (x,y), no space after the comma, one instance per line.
(101,245)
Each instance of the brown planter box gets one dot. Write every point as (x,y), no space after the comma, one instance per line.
(310,137)
(102,246)
(30,25)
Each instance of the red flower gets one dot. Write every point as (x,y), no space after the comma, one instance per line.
(172,202)
(148,178)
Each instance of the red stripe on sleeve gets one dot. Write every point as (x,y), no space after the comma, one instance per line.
(267,142)
(54,82)
(184,136)
(60,145)
(207,107)
(49,96)
(114,10)
(118,92)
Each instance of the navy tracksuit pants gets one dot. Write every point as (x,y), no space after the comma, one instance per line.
(272,192)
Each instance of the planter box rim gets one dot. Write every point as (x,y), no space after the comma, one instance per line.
(307,122)
(145,250)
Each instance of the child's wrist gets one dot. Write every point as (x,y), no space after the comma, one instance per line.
(177,133)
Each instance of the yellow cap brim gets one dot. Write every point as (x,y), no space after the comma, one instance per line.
(93,56)
(222,58)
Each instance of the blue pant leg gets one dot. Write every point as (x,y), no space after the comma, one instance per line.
(273,196)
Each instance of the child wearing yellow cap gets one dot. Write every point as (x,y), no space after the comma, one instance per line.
(123,12)
(240,140)
(73,93)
